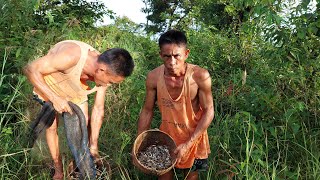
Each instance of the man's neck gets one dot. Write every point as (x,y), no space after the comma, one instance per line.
(89,68)
(179,74)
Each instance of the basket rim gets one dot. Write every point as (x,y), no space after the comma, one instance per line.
(140,164)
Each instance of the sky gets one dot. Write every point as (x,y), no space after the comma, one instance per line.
(132,9)
(129,8)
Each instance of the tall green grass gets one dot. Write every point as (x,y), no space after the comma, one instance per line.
(261,130)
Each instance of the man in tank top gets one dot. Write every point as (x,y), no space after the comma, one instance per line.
(183,94)
(62,75)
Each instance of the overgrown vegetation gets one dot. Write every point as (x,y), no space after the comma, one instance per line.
(264,64)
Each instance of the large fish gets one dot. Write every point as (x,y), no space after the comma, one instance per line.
(76,132)
(77,137)
(44,120)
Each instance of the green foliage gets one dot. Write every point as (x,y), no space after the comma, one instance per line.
(165,15)
(61,13)
(265,80)
(217,14)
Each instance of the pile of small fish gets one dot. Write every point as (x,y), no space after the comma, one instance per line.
(155,157)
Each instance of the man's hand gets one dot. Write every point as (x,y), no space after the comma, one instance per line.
(181,150)
(61,105)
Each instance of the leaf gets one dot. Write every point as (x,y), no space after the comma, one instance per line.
(318,23)
(254,127)
(257,10)
(294,54)
(7,131)
(300,106)
(50,18)
(295,127)
(289,113)
(269,18)
(273,132)
(301,34)
(36,5)
(18,52)
(277,19)
(305,4)
(230,9)
(242,165)
(312,30)
(262,163)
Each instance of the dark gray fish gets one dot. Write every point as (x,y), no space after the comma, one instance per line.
(155,157)
(77,135)
(77,138)
(44,120)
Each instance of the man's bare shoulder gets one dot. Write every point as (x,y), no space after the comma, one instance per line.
(200,74)
(153,76)
(64,55)
(66,48)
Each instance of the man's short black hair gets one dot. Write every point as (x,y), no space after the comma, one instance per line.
(173,37)
(119,61)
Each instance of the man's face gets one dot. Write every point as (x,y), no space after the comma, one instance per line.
(174,57)
(103,77)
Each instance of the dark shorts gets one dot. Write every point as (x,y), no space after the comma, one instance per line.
(198,165)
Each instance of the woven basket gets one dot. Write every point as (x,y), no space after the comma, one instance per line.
(148,138)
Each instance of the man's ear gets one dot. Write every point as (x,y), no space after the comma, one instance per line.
(102,67)
(187,52)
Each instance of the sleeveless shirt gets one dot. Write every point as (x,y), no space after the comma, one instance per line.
(179,120)
(68,85)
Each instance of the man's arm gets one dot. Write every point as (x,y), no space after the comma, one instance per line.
(206,102)
(146,113)
(203,80)
(54,61)
(96,119)
(98,106)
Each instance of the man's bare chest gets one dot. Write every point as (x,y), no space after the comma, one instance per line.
(175,87)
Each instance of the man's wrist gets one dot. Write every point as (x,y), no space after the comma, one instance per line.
(52,98)
(190,142)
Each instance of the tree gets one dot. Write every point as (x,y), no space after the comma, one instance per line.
(182,14)
(166,14)
(61,13)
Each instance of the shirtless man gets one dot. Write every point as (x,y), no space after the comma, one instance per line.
(183,94)
(62,75)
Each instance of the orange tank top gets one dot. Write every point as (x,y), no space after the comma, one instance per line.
(179,120)
(69,85)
